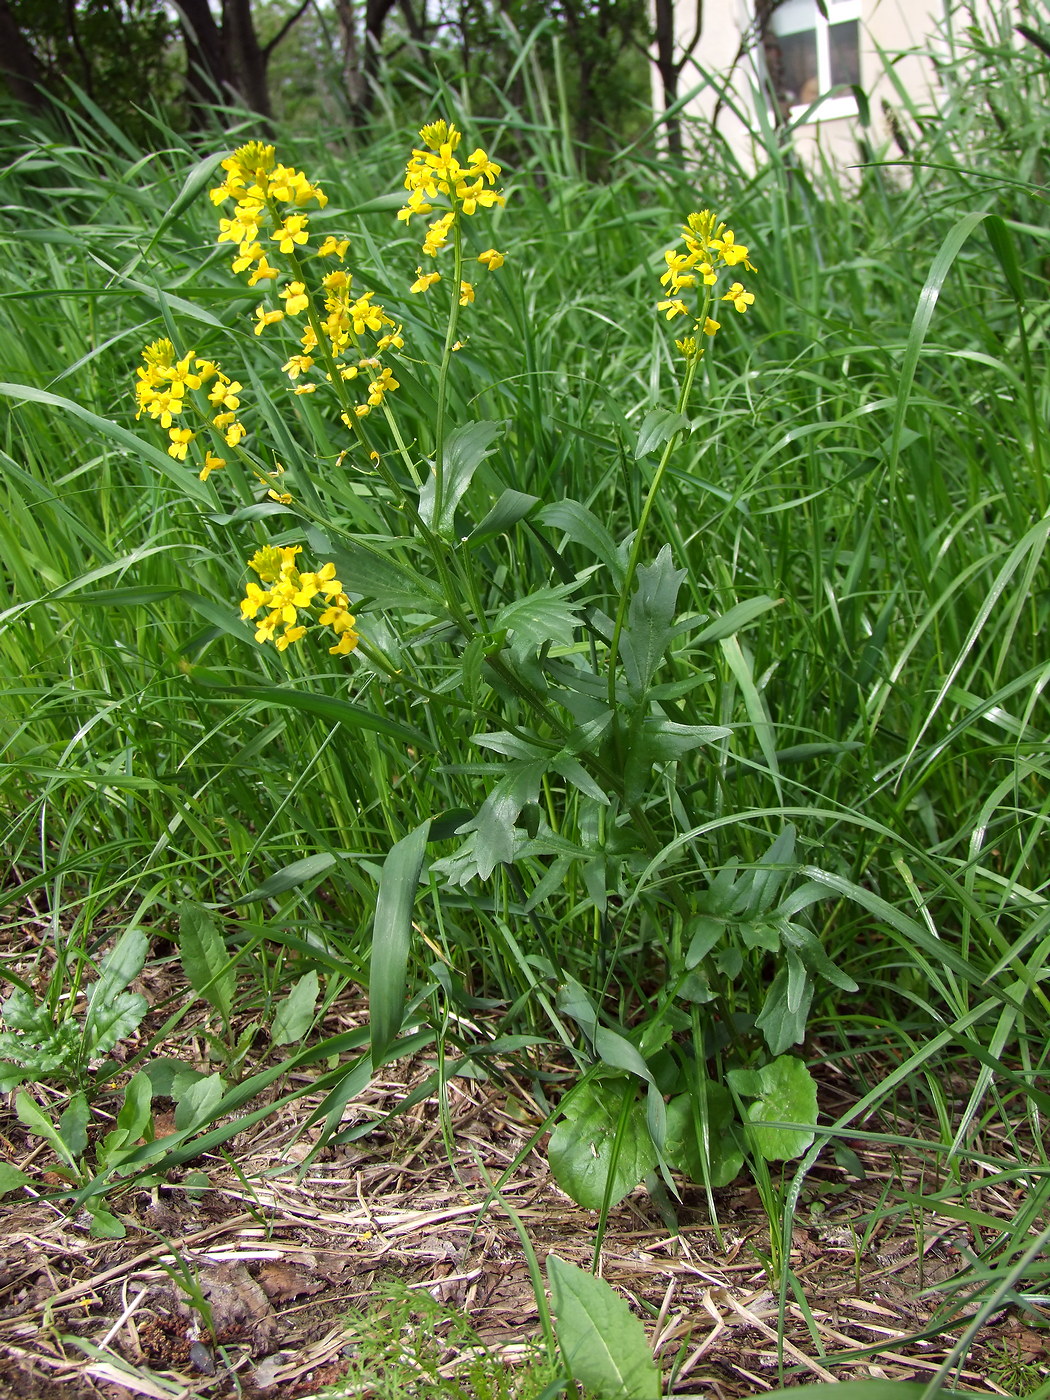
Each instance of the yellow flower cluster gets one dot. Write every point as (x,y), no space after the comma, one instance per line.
(160,391)
(287,592)
(435,173)
(269,196)
(709,248)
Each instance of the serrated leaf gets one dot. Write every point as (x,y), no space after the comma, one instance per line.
(581,1148)
(208,966)
(110,1022)
(658,426)
(649,629)
(294,1016)
(121,965)
(540,619)
(465,450)
(602,1343)
(493,827)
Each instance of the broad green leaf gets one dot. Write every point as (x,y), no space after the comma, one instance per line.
(617,1052)
(603,1344)
(291,876)
(104,1224)
(511,507)
(392,939)
(782,1025)
(658,426)
(205,960)
(581,1148)
(650,619)
(134,1114)
(198,1103)
(295,1014)
(875,1389)
(466,447)
(788,1095)
(73,1125)
(683,1148)
(583,527)
(11,1178)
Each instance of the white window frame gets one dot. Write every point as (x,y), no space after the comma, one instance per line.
(844,104)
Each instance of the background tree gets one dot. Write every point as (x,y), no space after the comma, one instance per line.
(117,51)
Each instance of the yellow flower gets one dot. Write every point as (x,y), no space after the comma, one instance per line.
(211,464)
(710,326)
(266,318)
(297,365)
(466,293)
(180,441)
(294,297)
(333,247)
(675,307)
(740,299)
(262,272)
(491,259)
(292,233)
(424,281)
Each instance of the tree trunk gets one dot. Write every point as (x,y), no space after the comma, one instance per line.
(245,57)
(669,71)
(19,69)
(207,73)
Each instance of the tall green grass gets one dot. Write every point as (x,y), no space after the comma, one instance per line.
(871,454)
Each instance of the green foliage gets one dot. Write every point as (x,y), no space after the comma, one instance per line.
(402,1343)
(708,739)
(603,1345)
(38,1045)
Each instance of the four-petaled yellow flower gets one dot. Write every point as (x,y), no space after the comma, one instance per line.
(740,299)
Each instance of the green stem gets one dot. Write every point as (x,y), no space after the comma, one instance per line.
(643,520)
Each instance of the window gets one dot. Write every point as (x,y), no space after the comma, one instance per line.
(809,55)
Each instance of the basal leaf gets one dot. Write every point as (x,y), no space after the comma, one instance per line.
(582,1153)
(392,939)
(788,1095)
(295,1014)
(602,1343)
(206,962)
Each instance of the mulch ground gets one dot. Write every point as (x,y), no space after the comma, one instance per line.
(288,1237)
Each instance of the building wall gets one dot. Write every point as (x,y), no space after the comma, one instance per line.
(904,29)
